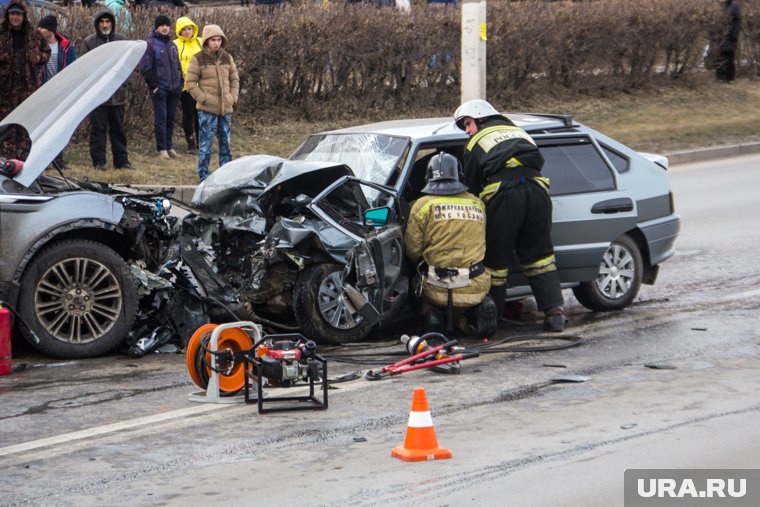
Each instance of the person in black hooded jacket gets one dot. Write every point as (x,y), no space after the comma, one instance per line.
(108,118)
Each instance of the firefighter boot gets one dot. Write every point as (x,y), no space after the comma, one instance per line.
(434,319)
(554,320)
(485,317)
(499,295)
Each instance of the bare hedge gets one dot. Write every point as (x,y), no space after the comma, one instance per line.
(304,61)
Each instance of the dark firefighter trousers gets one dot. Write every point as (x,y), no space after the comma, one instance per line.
(519,219)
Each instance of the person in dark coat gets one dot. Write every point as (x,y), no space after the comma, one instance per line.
(23,54)
(725,63)
(108,118)
(162,71)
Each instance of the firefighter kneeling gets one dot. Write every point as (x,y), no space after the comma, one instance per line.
(446,239)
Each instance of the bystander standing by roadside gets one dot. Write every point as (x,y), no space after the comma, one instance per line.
(725,63)
(23,54)
(108,118)
(188,43)
(212,80)
(62,53)
(163,74)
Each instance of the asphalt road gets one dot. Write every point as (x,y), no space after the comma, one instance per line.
(121,431)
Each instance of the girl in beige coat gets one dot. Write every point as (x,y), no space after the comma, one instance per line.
(212,80)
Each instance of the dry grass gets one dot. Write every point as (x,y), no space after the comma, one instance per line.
(662,121)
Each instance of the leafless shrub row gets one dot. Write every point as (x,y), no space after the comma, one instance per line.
(309,62)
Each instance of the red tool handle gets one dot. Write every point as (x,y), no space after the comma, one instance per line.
(421,355)
(450,359)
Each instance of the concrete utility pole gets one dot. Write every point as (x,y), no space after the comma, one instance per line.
(473,63)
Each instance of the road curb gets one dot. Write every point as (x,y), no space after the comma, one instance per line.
(687,156)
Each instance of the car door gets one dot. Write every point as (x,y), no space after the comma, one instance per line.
(590,210)
(376,270)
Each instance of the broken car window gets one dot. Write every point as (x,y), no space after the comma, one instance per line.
(371,157)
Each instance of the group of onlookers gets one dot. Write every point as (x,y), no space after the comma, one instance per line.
(196,73)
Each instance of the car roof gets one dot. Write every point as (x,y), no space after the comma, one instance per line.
(420,128)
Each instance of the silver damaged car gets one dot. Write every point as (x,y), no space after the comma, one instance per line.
(71,251)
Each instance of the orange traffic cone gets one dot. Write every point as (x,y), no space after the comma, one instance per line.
(421,443)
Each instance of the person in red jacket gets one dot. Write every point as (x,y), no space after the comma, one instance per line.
(62,53)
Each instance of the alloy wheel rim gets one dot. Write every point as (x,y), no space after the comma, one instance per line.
(333,306)
(616,272)
(78,300)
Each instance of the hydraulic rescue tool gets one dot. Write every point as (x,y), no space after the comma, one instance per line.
(238,359)
(425,356)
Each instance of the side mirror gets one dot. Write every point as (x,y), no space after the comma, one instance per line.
(377,217)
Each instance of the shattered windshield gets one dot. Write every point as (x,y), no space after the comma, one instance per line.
(371,157)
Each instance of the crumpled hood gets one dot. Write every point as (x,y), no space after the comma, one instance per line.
(254,189)
(52,113)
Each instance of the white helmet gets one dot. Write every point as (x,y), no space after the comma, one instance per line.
(477,109)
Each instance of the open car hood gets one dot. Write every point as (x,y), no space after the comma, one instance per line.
(52,113)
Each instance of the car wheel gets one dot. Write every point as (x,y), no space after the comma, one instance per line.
(321,309)
(619,278)
(79,298)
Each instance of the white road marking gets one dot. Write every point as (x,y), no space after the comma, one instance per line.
(195,409)
(109,428)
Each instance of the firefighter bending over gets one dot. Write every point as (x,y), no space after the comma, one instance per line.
(445,237)
(503,165)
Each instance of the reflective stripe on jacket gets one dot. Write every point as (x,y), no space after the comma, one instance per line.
(500,151)
(448,231)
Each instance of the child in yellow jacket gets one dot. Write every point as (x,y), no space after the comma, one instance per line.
(188,43)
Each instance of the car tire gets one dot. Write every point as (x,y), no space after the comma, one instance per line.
(79,298)
(321,310)
(619,279)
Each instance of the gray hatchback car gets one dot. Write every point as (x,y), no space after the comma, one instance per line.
(319,237)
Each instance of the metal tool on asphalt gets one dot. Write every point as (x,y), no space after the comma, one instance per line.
(427,358)
(225,360)
(416,344)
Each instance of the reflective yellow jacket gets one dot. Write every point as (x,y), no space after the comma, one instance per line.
(449,231)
